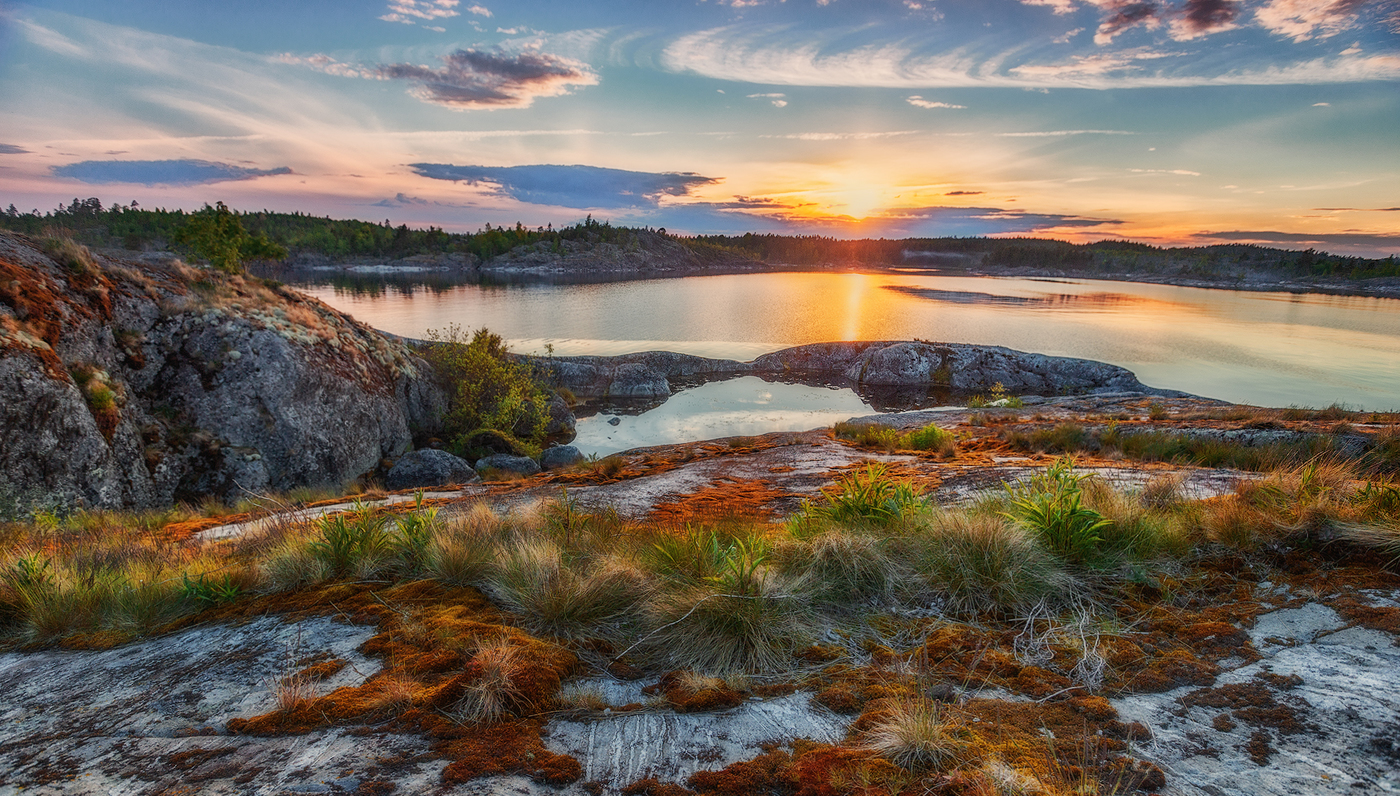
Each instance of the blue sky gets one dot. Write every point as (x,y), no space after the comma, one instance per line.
(1167,121)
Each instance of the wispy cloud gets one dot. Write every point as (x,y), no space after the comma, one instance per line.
(778,100)
(1301,20)
(777,56)
(839,136)
(410,12)
(471,79)
(160,172)
(1375,244)
(919,102)
(11,149)
(1058,6)
(1061,133)
(1178,172)
(571,186)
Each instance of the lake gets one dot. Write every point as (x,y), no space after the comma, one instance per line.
(1271,349)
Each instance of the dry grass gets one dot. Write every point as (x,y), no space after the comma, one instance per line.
(918,735)
(492,692)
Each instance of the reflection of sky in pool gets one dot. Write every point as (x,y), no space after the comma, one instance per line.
(744,406)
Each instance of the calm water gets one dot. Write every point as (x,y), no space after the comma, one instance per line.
(1272,349)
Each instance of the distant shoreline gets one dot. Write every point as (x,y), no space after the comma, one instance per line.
(1254,282)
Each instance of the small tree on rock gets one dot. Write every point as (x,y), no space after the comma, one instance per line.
(215,234)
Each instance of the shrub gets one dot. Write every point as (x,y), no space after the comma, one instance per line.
(486,390)
(929,438)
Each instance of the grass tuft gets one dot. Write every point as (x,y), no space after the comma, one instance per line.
(917,735)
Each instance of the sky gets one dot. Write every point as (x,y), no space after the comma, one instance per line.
(1173,122)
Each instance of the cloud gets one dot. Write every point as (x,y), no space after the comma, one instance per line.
(11,149)
(776,99)
(409,12)
(779,56)
(839,136)
(1301,20)
(470,79)
(160,172)
(1372,244)
(481,11)
(1058,6)
(571,186)
(1061,133)
(1322,104)
(919,102)
(963,193)
(1125,14)
(1203,17)
(1179,172)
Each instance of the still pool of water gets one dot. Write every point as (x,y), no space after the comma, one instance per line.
(1273,349)
(745,406)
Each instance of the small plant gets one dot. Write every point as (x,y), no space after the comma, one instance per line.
(1157,411)
(206,592)
(865,497)
(917,735)
(350,540)
(985,564)
(1050,505)
(491,693)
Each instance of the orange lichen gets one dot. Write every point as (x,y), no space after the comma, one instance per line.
(429,638)
(725,496)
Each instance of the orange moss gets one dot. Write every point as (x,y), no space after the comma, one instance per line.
(428,634)
(688,692)
(725,496)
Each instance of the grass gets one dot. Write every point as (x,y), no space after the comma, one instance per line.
(865,497)
(930,438)
(917,735)
(1379,457)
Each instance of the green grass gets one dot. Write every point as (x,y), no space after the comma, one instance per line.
(872,435)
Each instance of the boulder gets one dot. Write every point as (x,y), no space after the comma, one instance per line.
(560,456)
(504,462)
(429,468)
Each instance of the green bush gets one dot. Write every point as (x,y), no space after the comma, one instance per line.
(868,497)
(486,390)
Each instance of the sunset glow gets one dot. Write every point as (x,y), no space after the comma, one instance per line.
(1268,121)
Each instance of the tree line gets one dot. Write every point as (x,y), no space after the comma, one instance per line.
(265,233)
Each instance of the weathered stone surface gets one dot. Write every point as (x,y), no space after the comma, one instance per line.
(1345,701)
(560,456)
(957,366)
(220,386)
(504,462)
(429,468)
(891,364)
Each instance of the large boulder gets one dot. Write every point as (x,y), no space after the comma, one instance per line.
(956,366)
(506,463)
(429,468)
(560,456)
(130,384)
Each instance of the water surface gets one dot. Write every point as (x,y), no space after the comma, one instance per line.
(1273,349)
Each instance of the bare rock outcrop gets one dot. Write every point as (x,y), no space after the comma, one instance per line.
(126,384)
(959,367)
